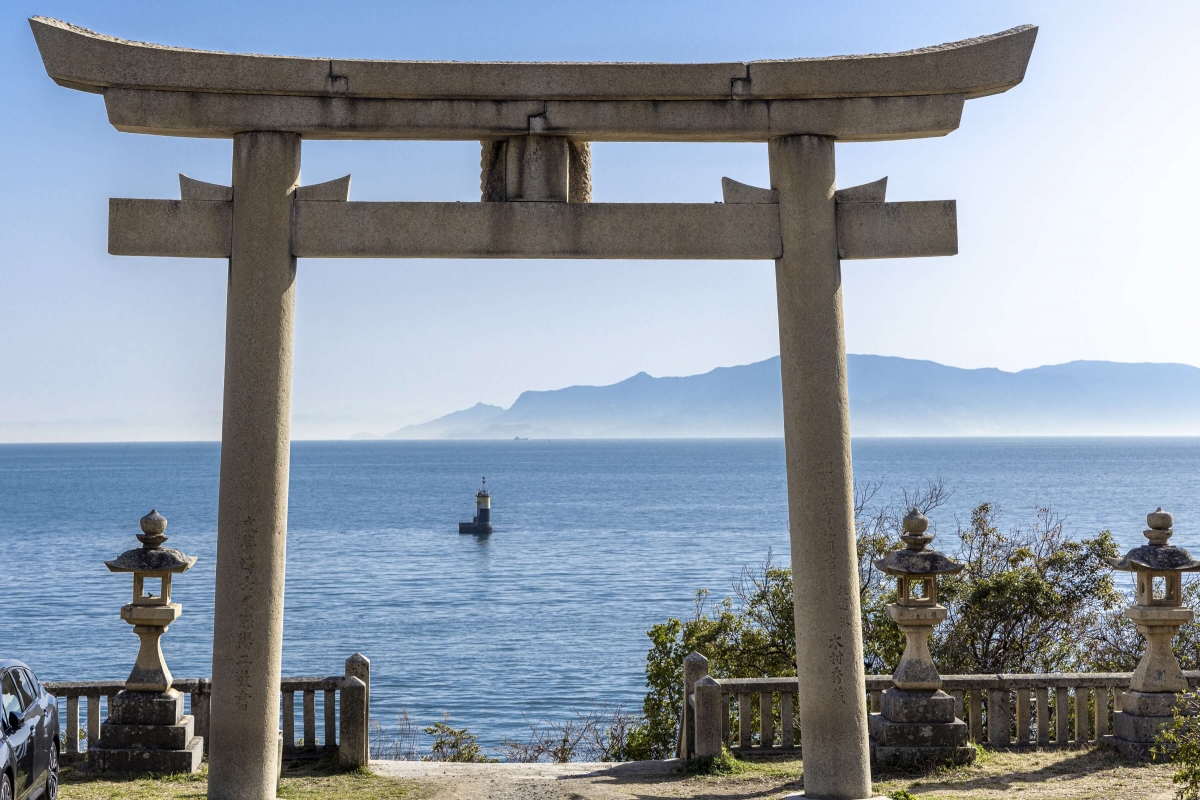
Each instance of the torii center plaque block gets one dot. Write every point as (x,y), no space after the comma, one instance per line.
(535,121)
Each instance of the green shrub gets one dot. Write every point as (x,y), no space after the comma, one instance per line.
(453,744)
(1179,741)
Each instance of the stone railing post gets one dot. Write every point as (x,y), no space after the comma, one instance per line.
(708,708)
(359,666)
(695,667)
(353,749)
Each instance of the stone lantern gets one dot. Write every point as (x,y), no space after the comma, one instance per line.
(1159,613)
(146,730)
(917,724)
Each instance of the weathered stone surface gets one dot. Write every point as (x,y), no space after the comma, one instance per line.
(1149,704)
(255,452)
(536,230)
(115,736)
(1135,750)
(140,761)
(146,708)
(178,228)
(80,59)
(917,734)
(819,474)
(916,670)
(898,230)
(334,191)
(921,706)
(192,189)
(873,192)
(537,168)
(1134,728)
(223,115)
(1158,670)
(736,192)
(921,757)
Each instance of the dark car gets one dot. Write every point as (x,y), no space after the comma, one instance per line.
(28,736)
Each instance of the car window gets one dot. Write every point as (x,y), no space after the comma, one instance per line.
(8,690)
(24,689)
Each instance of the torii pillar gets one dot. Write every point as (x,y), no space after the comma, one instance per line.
(255,456)
(820,481)
(534,121)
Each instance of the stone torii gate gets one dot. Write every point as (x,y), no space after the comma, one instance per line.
(535,121)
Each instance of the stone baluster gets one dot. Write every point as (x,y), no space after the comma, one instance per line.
(93,720)
(330,728)
(1081,714)
(1022,716)
(73,724)
(745,721)
(289,720)
(786,723)
(766,719)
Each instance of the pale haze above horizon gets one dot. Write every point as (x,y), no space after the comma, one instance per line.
(1075,190)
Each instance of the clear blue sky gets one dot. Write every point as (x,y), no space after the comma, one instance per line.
(1076,197)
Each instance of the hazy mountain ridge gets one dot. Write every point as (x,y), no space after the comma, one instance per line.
(888,397)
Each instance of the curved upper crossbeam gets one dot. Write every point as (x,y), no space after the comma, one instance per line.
(81,59)
(150,88)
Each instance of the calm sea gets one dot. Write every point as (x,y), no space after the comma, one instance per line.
(595,541)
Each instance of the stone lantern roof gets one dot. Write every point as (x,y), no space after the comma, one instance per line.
(914,558)
(1158,556)
(151,556)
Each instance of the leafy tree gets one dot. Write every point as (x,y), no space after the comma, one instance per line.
(1116,646)
(1026,600)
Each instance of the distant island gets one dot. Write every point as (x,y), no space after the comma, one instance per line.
(888,397)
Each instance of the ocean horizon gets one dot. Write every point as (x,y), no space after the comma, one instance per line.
(595,541)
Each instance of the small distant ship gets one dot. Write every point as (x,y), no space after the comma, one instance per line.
(481,523)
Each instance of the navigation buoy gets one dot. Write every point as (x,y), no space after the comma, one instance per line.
(482,521)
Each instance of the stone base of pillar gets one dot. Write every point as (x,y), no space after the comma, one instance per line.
(147,733)
(918,728)
(1142,716)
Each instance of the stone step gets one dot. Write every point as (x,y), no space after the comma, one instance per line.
(140,761)
(150,737)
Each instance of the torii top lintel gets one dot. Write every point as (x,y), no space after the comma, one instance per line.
(151,88)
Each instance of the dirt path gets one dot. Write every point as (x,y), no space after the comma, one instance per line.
(645,780)
(1037,775)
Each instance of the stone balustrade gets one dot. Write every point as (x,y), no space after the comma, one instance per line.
(344,736)
(759,715)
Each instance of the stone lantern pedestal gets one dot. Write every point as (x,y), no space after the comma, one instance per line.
(1158,615)
(146,730)
(917,724)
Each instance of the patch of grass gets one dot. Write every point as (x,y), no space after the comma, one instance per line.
(721,766)
(1050,774)
(301,781)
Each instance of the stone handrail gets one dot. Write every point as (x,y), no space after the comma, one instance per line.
(1051,709)
(347,738)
